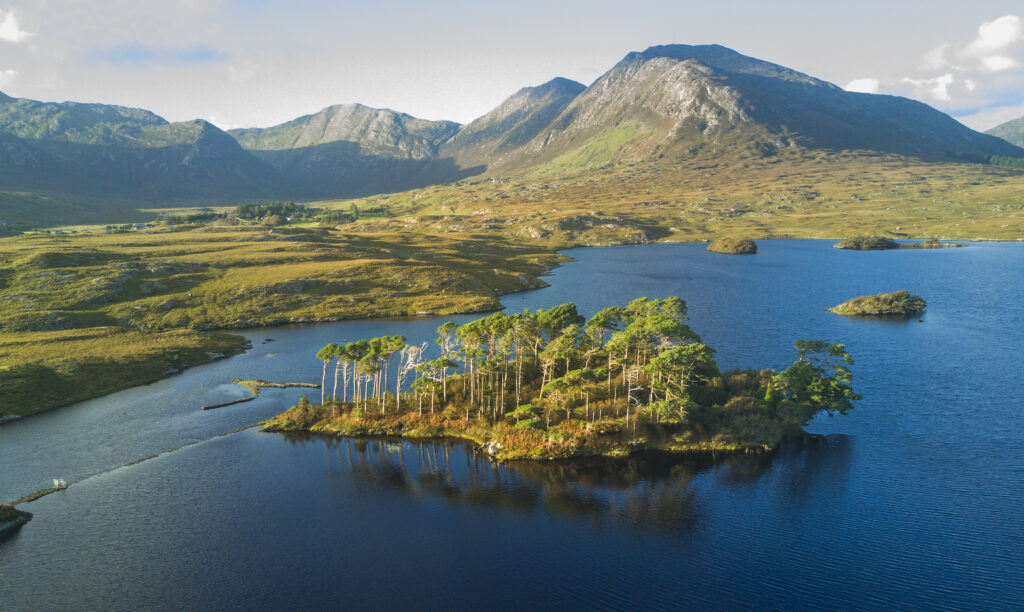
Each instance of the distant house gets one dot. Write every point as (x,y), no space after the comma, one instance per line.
(139,226)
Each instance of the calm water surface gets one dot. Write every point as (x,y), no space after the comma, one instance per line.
(912,500)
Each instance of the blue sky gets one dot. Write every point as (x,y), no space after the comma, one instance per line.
(261,62)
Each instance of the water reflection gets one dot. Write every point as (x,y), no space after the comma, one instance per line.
(653,492)
(804,467)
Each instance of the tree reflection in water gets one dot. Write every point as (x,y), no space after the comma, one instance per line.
(650,491)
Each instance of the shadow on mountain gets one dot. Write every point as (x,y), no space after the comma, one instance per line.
(819,117)
(211,168)
(339,170)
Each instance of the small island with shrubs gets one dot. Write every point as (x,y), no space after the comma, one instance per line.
(894,304)
(882,243)
(11,519)
(551,384)
(733,246)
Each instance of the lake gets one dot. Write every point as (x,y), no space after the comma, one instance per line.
(912,500)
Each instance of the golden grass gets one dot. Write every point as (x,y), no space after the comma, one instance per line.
(456,248)
(43,370)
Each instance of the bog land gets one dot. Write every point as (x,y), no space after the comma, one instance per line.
(88,310)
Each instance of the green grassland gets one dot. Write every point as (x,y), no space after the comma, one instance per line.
(435,250)
(798,195)
(85,314)
(47,369)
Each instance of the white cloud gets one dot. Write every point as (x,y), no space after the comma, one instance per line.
(7,77)
(868,85)
(998,63)
(994,43)
(936,58)
(936,88)
(242,72)
(198,6)
(977,73)
(224,125)
(10,31)
(990,118)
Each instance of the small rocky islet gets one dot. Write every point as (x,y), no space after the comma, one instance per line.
(884,243)
(733,246)
(896,303)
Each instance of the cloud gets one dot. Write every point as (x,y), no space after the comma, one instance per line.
(936,58)
(7,77)
(144,55)
(224,125)
(936,88)
(977,73)
(10,31)
(243,72)
(198,6)
(991,117)
(871,86)
(995,42)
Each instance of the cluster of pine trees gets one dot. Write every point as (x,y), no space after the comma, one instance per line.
(546,367)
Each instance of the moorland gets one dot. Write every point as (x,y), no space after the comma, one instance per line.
(134,245)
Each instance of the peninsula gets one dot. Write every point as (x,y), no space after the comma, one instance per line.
(551,384)
(11,520)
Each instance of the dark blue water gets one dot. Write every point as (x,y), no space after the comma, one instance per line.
(913,500)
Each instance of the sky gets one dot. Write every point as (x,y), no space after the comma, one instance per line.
(255,63)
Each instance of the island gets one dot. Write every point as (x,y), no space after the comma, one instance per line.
(551,384)
(896,303)
(883,243)
(11,520)
(931,243)
(733,246)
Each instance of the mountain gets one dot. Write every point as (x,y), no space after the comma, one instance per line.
(669,104)
(352,150)
(1011,131)
(106,150)
(516,121)
(681,100)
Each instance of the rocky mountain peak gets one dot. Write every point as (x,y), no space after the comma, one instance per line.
(723,59)
(514,122)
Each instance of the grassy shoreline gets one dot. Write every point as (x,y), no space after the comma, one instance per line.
(505,443)
(440,250)
(81,317)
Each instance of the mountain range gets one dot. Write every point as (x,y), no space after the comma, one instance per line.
(678,102)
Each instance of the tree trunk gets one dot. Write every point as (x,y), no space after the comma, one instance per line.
(323,384)
(334,392)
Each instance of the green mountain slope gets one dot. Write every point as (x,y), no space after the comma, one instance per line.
(103,150)
(674,105)
(1011,131)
